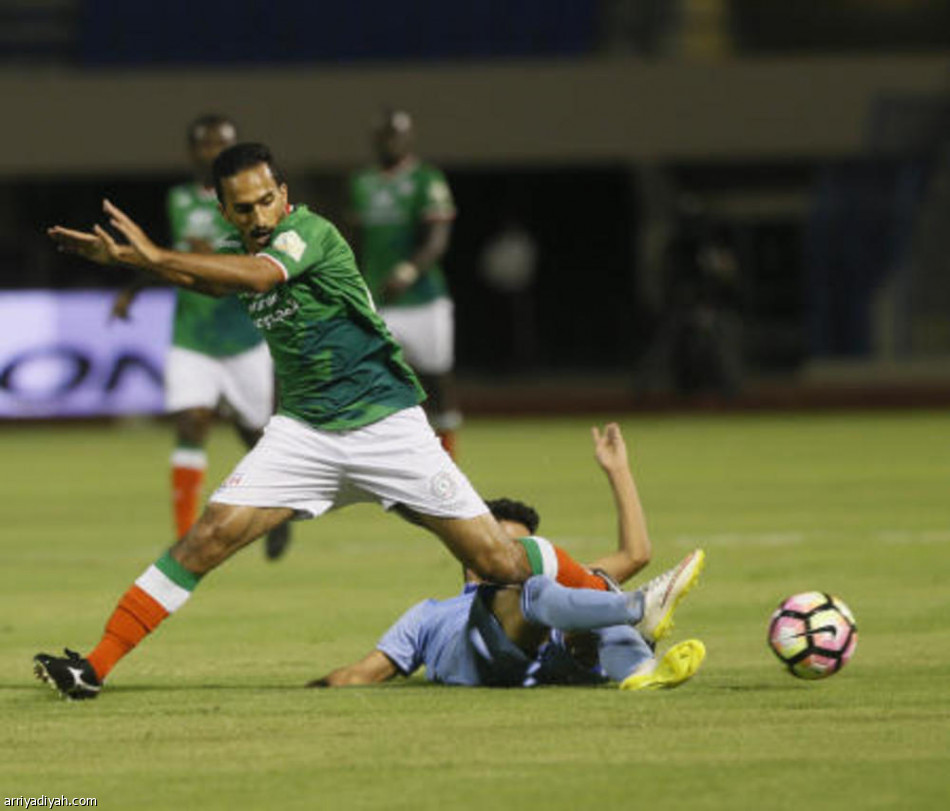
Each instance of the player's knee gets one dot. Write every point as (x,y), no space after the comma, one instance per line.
(208,543)
(192,426)
(531,591)
(502,563)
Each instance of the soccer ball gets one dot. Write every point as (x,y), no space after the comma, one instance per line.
(813,634)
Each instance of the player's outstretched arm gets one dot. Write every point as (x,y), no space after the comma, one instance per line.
(216,274)
(374,668)
(633,541)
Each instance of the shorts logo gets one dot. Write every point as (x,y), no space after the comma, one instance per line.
(443,486)
(233,480)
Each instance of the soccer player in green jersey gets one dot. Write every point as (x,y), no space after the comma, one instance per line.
(349,428)
(404,210)
(217,355)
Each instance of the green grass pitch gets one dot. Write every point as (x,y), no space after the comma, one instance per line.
(209,713)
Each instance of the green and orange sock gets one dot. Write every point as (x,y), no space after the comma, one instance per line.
(161,590)
(553,562)
(188,475)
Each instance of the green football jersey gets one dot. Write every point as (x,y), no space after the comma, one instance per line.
(390,208)
(219,327)
(337,365)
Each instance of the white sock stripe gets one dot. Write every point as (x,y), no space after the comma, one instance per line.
(167,594)
(548,557)
(193,458)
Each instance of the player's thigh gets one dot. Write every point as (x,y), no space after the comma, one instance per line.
(480,545)
(192,380)
(506,606)
(426,333)
(248,386)
(291,466)
(399,460)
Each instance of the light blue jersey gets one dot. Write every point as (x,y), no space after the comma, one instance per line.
(432,633)
(461,643)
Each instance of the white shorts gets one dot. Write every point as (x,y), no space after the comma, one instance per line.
(397,460)
(426,333)
(245,382)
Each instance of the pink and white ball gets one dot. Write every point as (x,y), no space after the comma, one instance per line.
(813,634)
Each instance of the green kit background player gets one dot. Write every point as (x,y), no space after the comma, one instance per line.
(217,355)
(349,428)
(404,210)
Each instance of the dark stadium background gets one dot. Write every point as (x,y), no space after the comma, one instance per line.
(830,216)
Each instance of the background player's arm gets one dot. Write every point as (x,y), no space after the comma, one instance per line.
(374,668)
(126,297)
(633,542)
(216,274)
(434,243)
(435,232)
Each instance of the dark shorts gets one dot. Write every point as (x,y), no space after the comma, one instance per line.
(499,661)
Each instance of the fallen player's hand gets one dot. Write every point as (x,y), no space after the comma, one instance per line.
(610,449)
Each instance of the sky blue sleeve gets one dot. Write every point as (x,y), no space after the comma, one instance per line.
(402,643)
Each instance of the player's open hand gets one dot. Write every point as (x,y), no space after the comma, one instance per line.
(610,449)
(138,240)
(81,243)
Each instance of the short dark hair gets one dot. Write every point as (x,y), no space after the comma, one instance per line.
(506,509)
(239,157)
(206,122)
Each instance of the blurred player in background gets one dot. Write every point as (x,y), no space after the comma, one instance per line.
(350,427)
(540,632)
(404,210)
(217,355)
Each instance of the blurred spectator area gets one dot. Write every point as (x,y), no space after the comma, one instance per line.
(39,31)
(148,32)
(811,135)
(216,32)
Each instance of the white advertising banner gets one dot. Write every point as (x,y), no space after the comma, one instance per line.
(62,356)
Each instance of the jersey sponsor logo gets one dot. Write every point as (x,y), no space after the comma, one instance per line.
(181,198)
(267,310)
(262,302)
(201,225)
(290,243)
(382,198)
(384,209)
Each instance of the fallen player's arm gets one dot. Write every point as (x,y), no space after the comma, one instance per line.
(633,542)
(217,274)
(374,668)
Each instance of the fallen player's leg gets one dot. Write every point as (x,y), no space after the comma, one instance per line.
(678,664)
